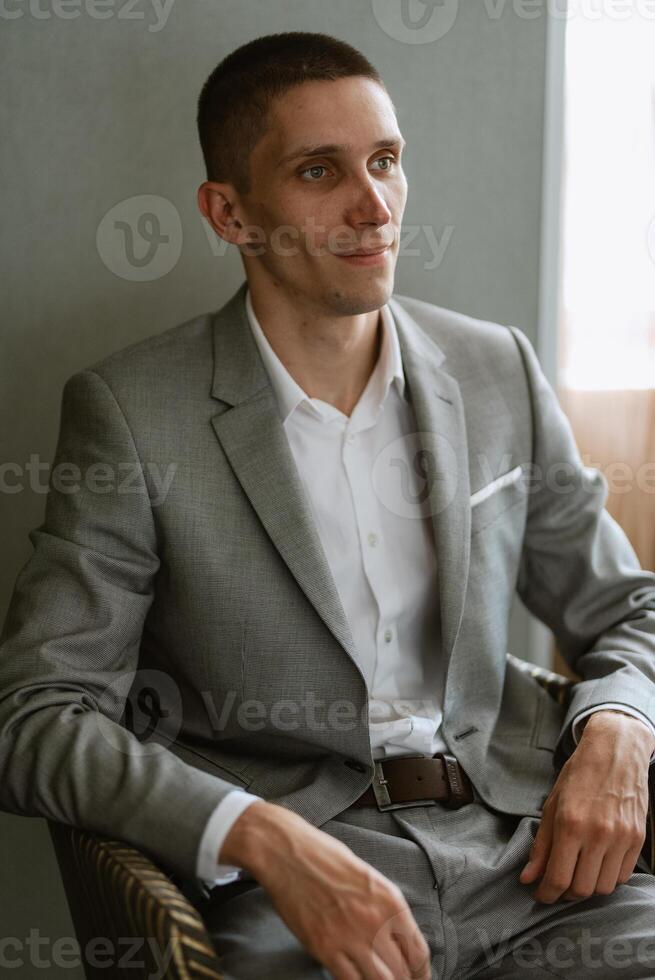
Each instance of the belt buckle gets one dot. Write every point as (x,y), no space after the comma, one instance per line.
(381,793)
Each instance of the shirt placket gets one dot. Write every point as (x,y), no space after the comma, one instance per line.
(374,552)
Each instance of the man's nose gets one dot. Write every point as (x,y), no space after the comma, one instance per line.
(367,204)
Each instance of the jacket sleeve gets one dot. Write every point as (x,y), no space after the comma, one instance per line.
(579,573)
(70,645)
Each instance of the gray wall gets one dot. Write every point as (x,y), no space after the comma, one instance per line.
(97,112)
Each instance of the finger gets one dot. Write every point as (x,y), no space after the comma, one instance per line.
(539,852)
(372,966)
(610,870)
(629,865)
(587,870)
(343,968)
(388,943)
(415,952)
(391,954)
(420,960)
(424,969)
(413,946)
(561,865)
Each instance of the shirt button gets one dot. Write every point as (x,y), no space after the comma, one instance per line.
(372,539)
(350,438)
(388,636)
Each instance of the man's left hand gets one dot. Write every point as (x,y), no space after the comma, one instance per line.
(593,825)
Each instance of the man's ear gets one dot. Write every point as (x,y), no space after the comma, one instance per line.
(217,204)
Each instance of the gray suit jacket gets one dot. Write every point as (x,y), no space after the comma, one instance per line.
(163,646)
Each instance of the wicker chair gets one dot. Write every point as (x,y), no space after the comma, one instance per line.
(116,892)
(126,909)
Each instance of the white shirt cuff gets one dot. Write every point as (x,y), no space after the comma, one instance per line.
(628,709)
(208,868)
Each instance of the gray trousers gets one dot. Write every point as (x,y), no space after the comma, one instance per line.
(458,871)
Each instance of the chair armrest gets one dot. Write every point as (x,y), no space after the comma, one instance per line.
(560,688)
(124,906)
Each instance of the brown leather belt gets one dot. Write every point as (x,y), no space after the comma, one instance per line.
(412,780)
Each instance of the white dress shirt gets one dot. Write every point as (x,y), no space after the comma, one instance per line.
(381,554)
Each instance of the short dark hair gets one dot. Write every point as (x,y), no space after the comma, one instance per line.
(235,100)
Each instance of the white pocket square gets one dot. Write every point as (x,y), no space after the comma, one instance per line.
(497,484)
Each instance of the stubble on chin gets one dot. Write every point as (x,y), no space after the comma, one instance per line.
(344,302)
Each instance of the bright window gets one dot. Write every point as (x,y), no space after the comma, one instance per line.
(607,337)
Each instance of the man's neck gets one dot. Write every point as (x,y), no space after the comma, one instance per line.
(331,358)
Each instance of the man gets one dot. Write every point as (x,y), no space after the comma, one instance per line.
(314,615)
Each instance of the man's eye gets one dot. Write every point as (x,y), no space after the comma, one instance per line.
(391,161)
(316,167)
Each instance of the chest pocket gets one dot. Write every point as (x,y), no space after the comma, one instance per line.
(496,497)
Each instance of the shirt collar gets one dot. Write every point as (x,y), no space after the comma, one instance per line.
(290,395)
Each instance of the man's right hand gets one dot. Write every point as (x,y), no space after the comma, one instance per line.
(347,914)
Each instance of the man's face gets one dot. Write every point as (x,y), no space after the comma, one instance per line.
(310,208)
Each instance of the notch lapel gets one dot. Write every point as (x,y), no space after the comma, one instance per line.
(441,424)
(253,438)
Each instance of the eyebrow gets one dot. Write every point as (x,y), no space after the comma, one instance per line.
(328,148)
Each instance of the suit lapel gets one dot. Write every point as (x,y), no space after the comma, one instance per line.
(441,424)
(255,443)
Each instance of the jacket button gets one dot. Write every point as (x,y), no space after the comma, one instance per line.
(354,764)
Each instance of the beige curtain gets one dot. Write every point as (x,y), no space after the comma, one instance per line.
(615,432)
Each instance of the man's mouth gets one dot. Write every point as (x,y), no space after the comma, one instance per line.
(368,251)
(366,256)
